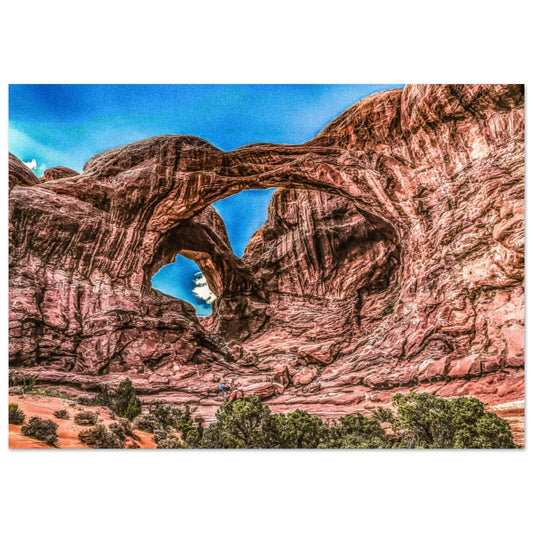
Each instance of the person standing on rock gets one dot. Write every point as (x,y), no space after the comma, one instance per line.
(222,391)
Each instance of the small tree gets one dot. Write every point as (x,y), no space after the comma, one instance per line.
(241,423)
(422,420)
(126,402)
(297,429)
(212,438)
(134,408)
(123,428)
(473,427)
(61,414)
(105,398)
(357,431)
(164,415)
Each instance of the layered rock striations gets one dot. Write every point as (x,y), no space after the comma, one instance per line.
(391,260)
(19,173)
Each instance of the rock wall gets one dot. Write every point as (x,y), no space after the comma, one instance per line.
(392,260)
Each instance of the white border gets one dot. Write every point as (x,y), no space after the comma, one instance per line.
(285,42)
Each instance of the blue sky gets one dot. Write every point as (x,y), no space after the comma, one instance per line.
(68,124)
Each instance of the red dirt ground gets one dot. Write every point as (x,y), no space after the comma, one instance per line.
(44,406)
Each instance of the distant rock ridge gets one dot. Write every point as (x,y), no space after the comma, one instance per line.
(57,173)
(392,259)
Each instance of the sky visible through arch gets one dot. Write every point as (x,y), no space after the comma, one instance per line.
(65,125)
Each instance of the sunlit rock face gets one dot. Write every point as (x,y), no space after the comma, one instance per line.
(57,173)
(391,260)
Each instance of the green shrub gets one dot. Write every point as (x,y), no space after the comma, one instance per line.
(241,424)
(99,436)
(126,403)
(357,431)
(418,420)
(422,420)
(104,398)
(148,423)
(381,414)
(123,403)
(167,440)
(29,386)
(167,416)
(213,436)
(85,400)
(123,428)
(26,385)
(16,415)
(191,438)
(86,418)
(61,414)
(134,408)
(296,429)
(41,429)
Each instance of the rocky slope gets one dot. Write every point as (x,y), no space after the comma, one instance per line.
(392,260)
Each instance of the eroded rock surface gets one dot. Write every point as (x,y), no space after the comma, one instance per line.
(19,173)
(57,173)
(392,260)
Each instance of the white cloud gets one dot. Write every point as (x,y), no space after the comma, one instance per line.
(32,165)
(21,144)
(202,290)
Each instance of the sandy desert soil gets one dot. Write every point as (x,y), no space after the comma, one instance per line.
(44,406)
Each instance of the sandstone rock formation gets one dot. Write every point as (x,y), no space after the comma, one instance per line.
(19,173)
(392,260)
(57,173)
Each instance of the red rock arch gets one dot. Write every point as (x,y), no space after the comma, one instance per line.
(440,168)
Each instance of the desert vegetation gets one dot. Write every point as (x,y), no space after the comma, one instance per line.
(416,420)
(16,415)
(86,418)
(41,429)
(123,403)
(113,436)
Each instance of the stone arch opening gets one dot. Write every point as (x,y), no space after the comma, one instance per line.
(321,230)
(241,215)
(183,176)
(183,279)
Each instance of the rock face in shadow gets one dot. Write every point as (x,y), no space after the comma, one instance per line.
(392,260)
